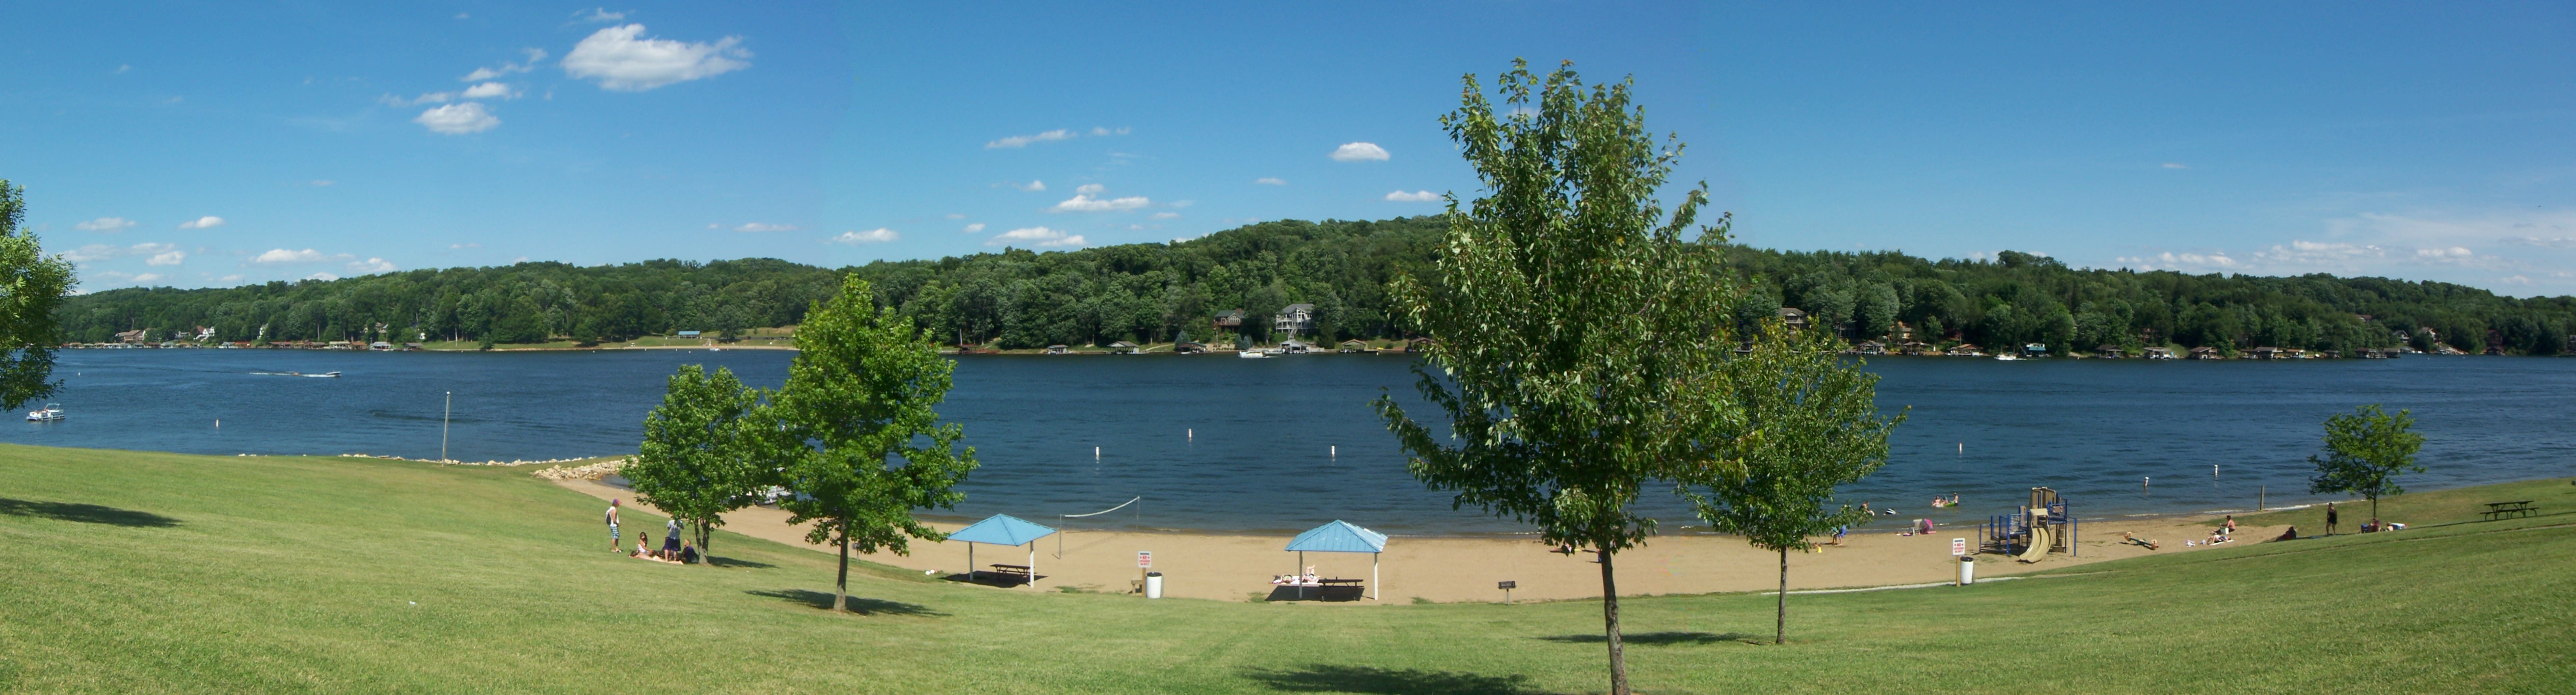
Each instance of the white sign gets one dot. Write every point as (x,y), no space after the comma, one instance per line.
(1144,559)
(1958,547)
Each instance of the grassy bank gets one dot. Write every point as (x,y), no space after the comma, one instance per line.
(170,573)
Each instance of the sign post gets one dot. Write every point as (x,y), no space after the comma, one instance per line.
(1144,561)
(1967,565)
(1507,588)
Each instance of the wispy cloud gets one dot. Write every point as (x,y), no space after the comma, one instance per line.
(293,256)
(1359,152)
(458,119)
(1414,197)
(1089,188)
(429,98)
(506,68)
(874,236)
(1026,140)
(976,228)
(318,183)
(1270,181)
(92,253)
(167,258)
(1164,216)
(1032,185)
(621,61)
(756,227)
(1085,203)
(1036,236)
(105,225)
(598,15)
(371,266)
(490,90)
(206,222)
(2173,165)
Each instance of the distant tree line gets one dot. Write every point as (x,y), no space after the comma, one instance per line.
(1018,298)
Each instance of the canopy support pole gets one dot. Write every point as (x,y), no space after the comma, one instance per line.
(970,562)
(1373,588)
(1033,564)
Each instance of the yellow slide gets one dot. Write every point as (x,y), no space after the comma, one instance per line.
(2039,543)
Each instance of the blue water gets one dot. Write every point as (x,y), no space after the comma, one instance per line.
(1219,443)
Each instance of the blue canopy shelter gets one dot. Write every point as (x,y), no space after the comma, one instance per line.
(1002,529)
(1341,537)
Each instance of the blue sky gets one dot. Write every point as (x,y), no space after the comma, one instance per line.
(201,144)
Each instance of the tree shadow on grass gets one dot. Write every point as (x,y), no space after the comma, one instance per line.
(862,606)
(1657,638)
(84,513)
(731,562)
(1322,678)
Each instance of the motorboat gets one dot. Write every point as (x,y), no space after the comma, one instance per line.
(1252,354)
(2007,358)
(51,412)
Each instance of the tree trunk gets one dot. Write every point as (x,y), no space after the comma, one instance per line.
(1780,625)
(1610,622)
(841,588)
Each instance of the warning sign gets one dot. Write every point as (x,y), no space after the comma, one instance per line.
(1958,547)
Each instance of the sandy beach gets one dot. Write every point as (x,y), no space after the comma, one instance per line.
(1454,569)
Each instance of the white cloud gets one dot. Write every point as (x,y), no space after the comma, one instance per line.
(489,90)
(954,216)
(146,277)
(1032,186)
(92,252)
(167,258)
(429,98)
(110,225)
(1086,203)
(506,68)
(468,245)
(598,14)
(122,69)
(371,266)
(2318,253)
(2172,165)
(622,62)
(1036,236)
(766,227)
(1414,197)
(2174,261)
(2515,280)
(458,119)
(1359,152)
(206,222)
(874,236)
(236,277)
(975,228)
(1089,188)
(1024,140)
(1097,131)
(293,256)
(318,183)
(1270,181)
(325,277)
(1164,216)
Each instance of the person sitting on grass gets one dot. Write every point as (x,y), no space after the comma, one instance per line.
(2289,535)
(688,553)
(643,546)
(670,546)
(2133,540)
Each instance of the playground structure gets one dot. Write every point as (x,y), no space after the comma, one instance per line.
(2041,527)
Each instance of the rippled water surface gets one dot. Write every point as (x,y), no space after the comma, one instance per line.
(1280,444)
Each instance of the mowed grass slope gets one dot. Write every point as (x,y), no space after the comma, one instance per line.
(126,572)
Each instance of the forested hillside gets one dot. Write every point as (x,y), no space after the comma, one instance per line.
(1151,292)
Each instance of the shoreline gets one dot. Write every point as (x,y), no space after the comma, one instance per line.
(1236,566)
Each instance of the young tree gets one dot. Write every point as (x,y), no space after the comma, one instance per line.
(1570,324)
(32,284)
(860,397)
(1807,422)
(703,452)
(2365,452)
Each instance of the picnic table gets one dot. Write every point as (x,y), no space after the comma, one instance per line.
(2498,510)
(1019,572)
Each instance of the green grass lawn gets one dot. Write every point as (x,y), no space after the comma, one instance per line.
(144,572)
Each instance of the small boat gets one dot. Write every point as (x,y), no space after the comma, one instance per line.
(324,375)
(1251,355)
(49,413)
(2007,358)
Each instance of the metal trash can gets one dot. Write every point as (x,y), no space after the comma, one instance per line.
(1153,585)
(1967,571)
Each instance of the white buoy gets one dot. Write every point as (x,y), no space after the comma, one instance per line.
(1963,448)
(1095,453)
(1194,434)
(1337,451)
(2213,471)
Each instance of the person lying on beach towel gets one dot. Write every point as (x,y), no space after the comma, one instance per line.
(2133,540)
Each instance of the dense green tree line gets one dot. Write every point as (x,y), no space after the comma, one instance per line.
(1152,292)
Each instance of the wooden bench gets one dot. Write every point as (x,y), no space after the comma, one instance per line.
(2498,510)
(1017,572)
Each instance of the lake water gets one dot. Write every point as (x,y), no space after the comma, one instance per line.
(1219,443)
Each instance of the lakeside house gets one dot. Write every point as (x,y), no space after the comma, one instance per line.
(1356,346)
(2157,353)
(1868,348)
(1230,319)
(1123,348)
(135,337)
(380,346)
(1796,318)
(2109,351)
(1058,350)
(2263,353)
(1294,319)
(1914,347)
(1292,347)
(1188,348)
(2034,350)
(2203,353)
(1966,350)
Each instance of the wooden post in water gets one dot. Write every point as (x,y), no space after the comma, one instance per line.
(2258,497)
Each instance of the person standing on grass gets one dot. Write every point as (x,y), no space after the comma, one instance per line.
(612,526)
(671,539)
(2330,518)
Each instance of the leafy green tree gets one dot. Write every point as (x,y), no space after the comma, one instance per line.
(860,397)
(1572,349)
(32,285)
(2365,452)
(1807,422)
(704,450)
